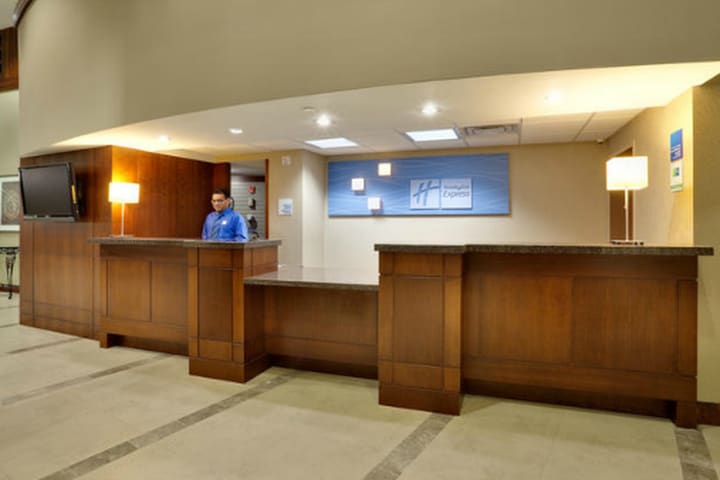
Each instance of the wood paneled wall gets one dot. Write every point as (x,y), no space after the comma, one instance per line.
(8,59)
(59,267)
(174,192)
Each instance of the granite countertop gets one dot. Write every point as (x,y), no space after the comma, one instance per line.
(180,242)
(313,277)
(564,249)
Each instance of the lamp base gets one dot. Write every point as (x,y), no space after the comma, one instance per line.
(627,242)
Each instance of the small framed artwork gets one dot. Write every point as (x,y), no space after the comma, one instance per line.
(10,206)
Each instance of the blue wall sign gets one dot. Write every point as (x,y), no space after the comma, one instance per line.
(676,145)
(447,185)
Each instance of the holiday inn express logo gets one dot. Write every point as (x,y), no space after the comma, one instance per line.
(446,193)
(424,194)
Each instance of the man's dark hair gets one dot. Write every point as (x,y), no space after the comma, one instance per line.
(221,191)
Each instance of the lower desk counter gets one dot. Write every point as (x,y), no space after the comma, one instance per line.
(319,319)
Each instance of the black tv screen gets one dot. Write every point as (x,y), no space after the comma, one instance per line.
(48,192)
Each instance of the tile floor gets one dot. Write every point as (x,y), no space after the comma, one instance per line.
(69,409)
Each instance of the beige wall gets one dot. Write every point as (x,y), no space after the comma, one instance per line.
(9,148)
(707,232)
(9,162)
(72,66)
(661,216)
(557,195)
(88,65)
(290,174)
(313,209)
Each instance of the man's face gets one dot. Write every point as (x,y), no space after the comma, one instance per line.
(219,202)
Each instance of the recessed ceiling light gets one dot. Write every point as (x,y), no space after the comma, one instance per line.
(164,138)
(323,120)
(235,131)
(338,142)
(554,96)
(433,135)
(309,109)
(429,109)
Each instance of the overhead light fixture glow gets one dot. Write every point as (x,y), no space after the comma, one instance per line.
(323,120)
(429,109)
(433,135)
(338,142)
(235,131)
(164,138)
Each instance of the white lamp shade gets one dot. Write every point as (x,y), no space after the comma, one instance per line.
(123,192)
(629,173)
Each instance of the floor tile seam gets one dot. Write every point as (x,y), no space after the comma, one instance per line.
(157,434)
(20,397)
(694,455)
(409,448)
(43,345)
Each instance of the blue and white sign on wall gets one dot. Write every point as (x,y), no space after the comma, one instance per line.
(676,145)
(448,185)
(676,161)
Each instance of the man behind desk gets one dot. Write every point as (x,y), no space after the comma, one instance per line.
(224,224)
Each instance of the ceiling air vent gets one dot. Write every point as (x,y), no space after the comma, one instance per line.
(490,130)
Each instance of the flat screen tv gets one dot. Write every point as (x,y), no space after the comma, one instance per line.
(49,192)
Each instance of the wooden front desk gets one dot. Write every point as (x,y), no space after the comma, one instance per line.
(185,295)
(598,320)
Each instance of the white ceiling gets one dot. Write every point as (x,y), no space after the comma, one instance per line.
(590,105)
(7,7)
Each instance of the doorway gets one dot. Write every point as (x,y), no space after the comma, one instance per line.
(248,188)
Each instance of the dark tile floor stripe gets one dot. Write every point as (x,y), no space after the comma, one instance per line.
(121,450)
(392,466)
(694,455)
(77,381)
(44,345)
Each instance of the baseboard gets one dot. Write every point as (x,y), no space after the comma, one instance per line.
(150,344)
(708,413)
(599,401)
(324,366)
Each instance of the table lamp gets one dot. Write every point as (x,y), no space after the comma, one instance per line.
(122,193)
(627,173)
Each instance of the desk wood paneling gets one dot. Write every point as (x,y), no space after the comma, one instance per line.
(587,323)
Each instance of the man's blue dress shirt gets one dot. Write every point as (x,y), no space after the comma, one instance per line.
(231,226)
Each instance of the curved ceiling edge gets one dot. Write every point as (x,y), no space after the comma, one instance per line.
(20,8)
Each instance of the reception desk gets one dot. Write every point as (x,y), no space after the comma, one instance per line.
(184,296)
(538,321)
(604,326)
